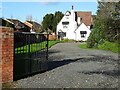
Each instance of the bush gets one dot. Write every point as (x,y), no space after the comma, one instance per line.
(97,35)
(93,39)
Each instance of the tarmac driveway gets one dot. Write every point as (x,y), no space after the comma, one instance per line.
(72,67)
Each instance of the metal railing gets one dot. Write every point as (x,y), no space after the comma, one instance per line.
(30,53)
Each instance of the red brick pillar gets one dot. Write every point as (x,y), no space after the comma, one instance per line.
(6,54)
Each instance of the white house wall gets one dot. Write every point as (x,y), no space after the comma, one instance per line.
(60,26)
(71,32)
(71,27)
(82,27)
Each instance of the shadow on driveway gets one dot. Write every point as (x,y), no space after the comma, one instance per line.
(114,73)
(55,64)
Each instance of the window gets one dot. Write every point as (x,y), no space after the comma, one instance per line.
(83,34)
(67,17)
(67,13)
(62,34)
(65,27)
(65,23)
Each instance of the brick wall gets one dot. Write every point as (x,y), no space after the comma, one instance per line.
(6,54)
(0,60)
(52,37)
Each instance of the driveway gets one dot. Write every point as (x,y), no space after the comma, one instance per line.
(72,67)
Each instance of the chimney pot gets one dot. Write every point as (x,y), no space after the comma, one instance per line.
(72,7)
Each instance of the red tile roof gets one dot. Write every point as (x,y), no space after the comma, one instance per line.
(86,17)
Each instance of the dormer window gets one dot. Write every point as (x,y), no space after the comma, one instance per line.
(65,23)
(67,13)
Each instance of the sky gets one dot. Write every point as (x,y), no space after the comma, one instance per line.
(21,10)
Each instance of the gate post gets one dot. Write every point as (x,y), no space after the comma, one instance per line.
(6,54)
(47,46)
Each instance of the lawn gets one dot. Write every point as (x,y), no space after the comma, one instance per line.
(35,47)
(51,43)
(110,46)
(83,46)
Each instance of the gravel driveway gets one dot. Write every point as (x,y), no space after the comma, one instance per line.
(72,67)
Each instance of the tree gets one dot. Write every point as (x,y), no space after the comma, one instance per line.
(106,24)
(47,22)
(50,21)
(57,17)
(116,17)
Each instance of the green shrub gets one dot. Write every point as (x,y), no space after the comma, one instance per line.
(92,39)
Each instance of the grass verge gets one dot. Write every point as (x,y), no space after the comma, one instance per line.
(110,46)
(83,46)
(67,40)
(51,43)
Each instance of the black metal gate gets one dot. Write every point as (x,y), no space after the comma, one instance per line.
(30,54)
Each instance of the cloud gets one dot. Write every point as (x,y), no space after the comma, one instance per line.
(53,1)
(47,1)
(29,0)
